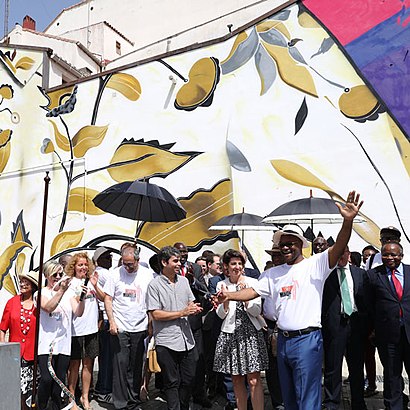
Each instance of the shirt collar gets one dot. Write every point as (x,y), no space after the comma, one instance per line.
(165,278)
(399,269)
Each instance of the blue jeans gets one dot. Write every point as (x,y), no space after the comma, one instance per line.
(300,370)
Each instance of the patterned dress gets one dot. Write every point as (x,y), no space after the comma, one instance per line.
(244,350)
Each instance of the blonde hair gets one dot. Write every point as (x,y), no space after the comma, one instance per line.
(52,267)
(70,268)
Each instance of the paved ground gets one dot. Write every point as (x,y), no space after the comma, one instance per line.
(155,403)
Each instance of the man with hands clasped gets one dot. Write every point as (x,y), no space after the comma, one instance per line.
(169,302)
(124,302)
(296,288)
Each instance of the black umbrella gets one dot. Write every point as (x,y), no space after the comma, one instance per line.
(307,211)
(240,222)
(140,201)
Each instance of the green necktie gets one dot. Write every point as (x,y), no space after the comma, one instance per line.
(347,302)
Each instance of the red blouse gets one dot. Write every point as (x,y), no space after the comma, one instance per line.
(22,326)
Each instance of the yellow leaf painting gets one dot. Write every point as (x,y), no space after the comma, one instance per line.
(61,140)
(402,143)
(292,73)
(149,161)
(203,208)
(7,258)
(81,200)
(66,240)
(277,25)
(25,63)
(6,91)
(126,84)
(203,78)
(358,102)
(88,137)
(5,145)
(240,38)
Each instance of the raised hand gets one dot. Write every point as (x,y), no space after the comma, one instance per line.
(94,278)
(352,206)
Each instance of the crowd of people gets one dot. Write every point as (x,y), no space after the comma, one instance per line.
(216,324)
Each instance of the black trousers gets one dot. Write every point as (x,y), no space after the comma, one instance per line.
(47,387)
(272,374)
(128,359)
(178,374)
(347,338)
(393,356)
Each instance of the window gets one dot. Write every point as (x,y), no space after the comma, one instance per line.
(118,47)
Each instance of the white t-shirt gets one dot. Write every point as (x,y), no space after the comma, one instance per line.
(128,292)
(56,326)
(296,291)
(86,324)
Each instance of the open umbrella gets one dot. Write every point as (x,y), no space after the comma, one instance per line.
(140,201)
(240,222)
(307,211)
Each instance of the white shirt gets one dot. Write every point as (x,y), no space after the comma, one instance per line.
(268,304)
(128,292)
(87,324)
(56,326)
(296,291)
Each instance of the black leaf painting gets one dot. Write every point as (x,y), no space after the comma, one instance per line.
(301,116)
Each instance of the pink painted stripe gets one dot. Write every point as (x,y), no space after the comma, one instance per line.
(349,19)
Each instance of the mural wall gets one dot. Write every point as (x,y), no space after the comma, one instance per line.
(249,123)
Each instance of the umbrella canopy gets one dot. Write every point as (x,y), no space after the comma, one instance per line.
(240,222)
(140,201)
(307,211)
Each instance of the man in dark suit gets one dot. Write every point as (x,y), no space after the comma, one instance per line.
(188,267)
(344,327)
(389,296)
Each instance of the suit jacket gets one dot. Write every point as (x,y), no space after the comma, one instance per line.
(332,299)
(385,306)
(213,282)
(212,321)
(198,275)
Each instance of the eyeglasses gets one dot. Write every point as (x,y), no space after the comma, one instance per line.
(128,265)
(286,244)
(57,274)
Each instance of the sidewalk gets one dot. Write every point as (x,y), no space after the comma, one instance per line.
(156,403)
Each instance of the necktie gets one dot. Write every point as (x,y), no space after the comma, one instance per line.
(397,284)
(182,270)
(344,287)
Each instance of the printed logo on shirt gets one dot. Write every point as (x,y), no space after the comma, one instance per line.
(91,294)
(130,293)
(56,315)
(286,291)
(289,292)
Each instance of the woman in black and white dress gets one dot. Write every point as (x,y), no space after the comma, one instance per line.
(241,349)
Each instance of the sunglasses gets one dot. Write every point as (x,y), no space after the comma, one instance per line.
(128,265)
(57,274)
(286,244)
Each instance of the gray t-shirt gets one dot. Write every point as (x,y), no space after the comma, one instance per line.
(162,294)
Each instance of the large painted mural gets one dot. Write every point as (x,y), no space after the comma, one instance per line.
(252,122)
